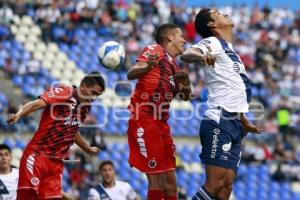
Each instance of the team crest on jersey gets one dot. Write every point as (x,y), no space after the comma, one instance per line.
(152,163)
(35,180)
(74,102)
(171,78)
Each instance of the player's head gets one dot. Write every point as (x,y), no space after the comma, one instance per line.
(5,158)
(208,22)
(107,171)
(170,35)
(91,86)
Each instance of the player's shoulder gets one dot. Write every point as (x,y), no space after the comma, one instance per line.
(61,91)
(122,184)
(211,44)
(154,48)
(212,41)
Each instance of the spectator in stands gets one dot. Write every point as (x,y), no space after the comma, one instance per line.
(278,174)
(98,140)
(182,195)
(109,187)
(6,13)
(69,36)
(9,175)
(283,116)
(283,151)
(8,67)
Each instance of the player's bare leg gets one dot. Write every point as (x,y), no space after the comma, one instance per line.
(170,186)
(225,192)
(215,181)
(29,194)
(155,187)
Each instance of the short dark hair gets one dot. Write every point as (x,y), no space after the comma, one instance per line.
(5,146)
(202,18)
(162,32)
(106,162)
(94,78)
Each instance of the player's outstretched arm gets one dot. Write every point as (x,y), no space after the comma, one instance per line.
(141,68)
(26,110)
(84,145)
(248,126)
(193,55)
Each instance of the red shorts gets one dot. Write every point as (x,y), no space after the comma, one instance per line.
(151,146)
(42,174)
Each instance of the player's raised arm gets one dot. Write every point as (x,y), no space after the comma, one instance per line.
(248,126)
(84,145)
(26,110)
(194,55)
(141,67)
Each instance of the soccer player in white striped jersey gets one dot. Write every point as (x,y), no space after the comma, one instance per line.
(229,93)
(9,175)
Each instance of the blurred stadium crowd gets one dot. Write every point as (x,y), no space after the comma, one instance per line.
(267,40)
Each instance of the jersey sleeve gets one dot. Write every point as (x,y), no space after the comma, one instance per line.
(56,95)
(209,45)
(150,49)
(131,194)
(93,194)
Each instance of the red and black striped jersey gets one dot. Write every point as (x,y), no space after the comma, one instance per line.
(59,123)
(155,89)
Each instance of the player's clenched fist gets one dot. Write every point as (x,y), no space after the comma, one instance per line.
(94,151)
(12,118)
(181,77)
(152,59)
(208,59)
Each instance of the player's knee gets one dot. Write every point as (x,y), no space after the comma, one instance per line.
(170,187)
(228,186)
(215,185)
(155,182)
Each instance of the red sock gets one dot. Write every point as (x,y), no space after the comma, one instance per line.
(155,195)
(170,197)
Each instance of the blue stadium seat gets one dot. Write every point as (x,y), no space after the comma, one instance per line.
(3,98)
(79,32)
(17,80)
(2,62)
(7,44)
(29,80)
(20,144)
(9,142)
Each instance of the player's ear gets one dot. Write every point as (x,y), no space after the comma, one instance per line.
(211,24)
(169,37)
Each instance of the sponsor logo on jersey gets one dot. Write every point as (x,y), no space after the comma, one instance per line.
(172,82)
(73,122)
(30,163)
(226,147)
(215,143)
(141,142)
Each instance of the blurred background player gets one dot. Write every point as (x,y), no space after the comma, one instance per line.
(152,150)
(224,124)
(9,175)
(65,109)
(110,188)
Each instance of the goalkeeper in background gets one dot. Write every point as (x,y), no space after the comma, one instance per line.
(152,150)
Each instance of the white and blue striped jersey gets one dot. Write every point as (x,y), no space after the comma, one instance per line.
(227,82)
(9,184)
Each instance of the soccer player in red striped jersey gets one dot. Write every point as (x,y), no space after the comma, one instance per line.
(152,150)
(65,109)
